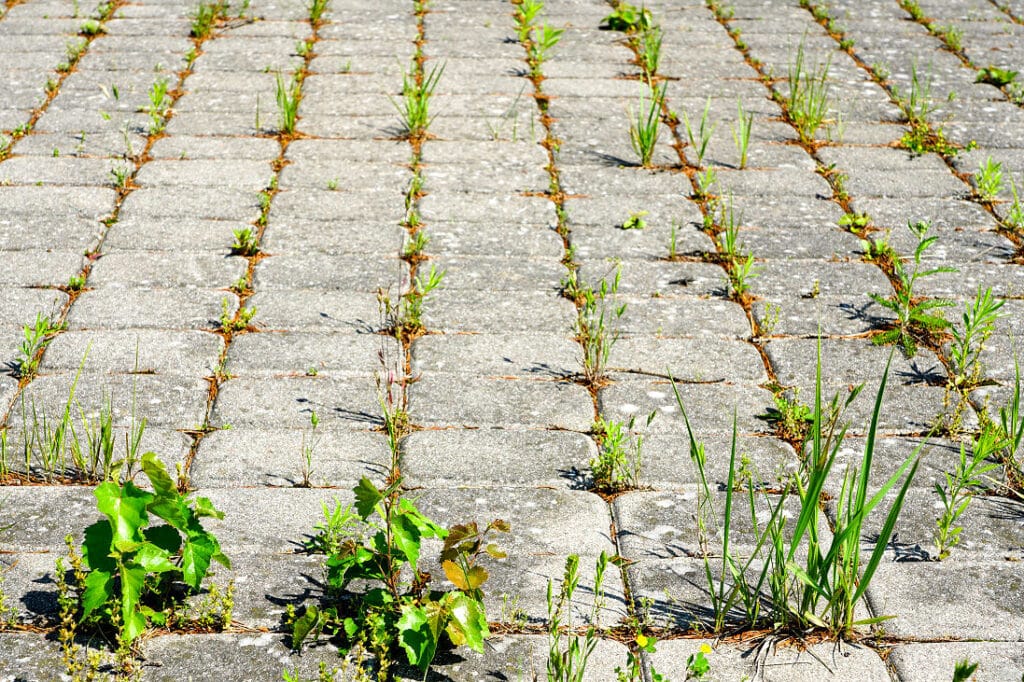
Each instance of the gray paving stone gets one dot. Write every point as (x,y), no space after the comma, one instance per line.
(176,147)
(252,457)
(190,203)
(663,210)
(488,239)
(119,307)
(520,355)
(500,312)
(671,316)
(328,205)
(551,458)
(302,353)
(486,273)
(469,207)
(166,270)
(190,353)
(41,268)
(792,664)
(30,657)
(333,237)
(167,234)
(709,406)
(703,358)
(347,404)
(454,400)
(997,661)
(317,271)
(317,310)
(656,278)
(928,600)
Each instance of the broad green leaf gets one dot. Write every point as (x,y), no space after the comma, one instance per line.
(469,619)
(426,527)
(99,588)
(126,509)
(165,537)
(133,581)
(367,496)
(196,556)
(154,559)
(163,484)
(416,637)
(96,547)
(406,534)
(203,507)
(304,624)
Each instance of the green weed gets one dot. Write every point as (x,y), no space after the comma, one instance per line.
(644,123)
(617,465)
(808,102)
(288,97)
(569,663)
(595,322)
(628,19)
(415,105)
(700,139)
(957,490)
(915,319)
(159,103)
(205,17)
(35,338)
(246,242)
(741,132)
(635,221)
(397,610)
(995,76)
(988,181)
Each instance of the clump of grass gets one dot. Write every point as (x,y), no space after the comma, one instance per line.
(821,590)
(644,123)
(741,132)
(159,103)
(701,137)
(568,663)
(288,96)
(808,102)
(596,316)
(205,17)
(415,105)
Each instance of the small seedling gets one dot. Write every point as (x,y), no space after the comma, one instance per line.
(76,283)
(649,51)
(700,138)
(988,181)
(635,221)
(595,319)
(237,323)
(915,319)
(950,34)
(644,123)
(36,338)
(542,40)
(316,11)
(855,222)
(415,246)
(121,176)
(411,320)
(704,182)
(332,184)
(697,665)
(995,76)
(963,670)
(246,242)
(1014,218)
(288,97)
(956,492)
(979,321)
(741,132)
(308,448)
(90,27)
(157,109)
(569,663)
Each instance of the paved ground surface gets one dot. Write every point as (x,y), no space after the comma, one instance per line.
(503,429)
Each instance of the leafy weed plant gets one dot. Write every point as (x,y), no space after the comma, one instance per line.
(568,663)
(988,181)
(399,609)
(288,96)
(35,338)
(617,465)
(205,17)
(917,319)
(957,490)
(595,323)
(996,76)
(628,18)
(246,243)
(132,563)
(741,132)
(415,105)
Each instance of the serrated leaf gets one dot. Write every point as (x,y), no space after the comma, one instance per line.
(196,556)
(203,507)
(154,559)
(367,497)
(126,509)
(133,581)
(99,588)
(454,574)
(163,484)
(165,537)
(416,637)
(406,535)
(501,525)
(469,621)
(305,624)
(96,547)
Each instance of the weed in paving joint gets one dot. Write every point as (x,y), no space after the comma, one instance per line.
(701,137)
(635,221)
(917,319)
(596,316)
(996,76)
(132,564)
(205,17)
(958,487)
(568,663)
(822,589)
(808,102)
(619,458)
(988,181)
(288,96)
(239,322)
(246,243)
(741,132)
(399,610)
(35,338)
(309,445)
(628,18)
(415,104)
(644,123)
